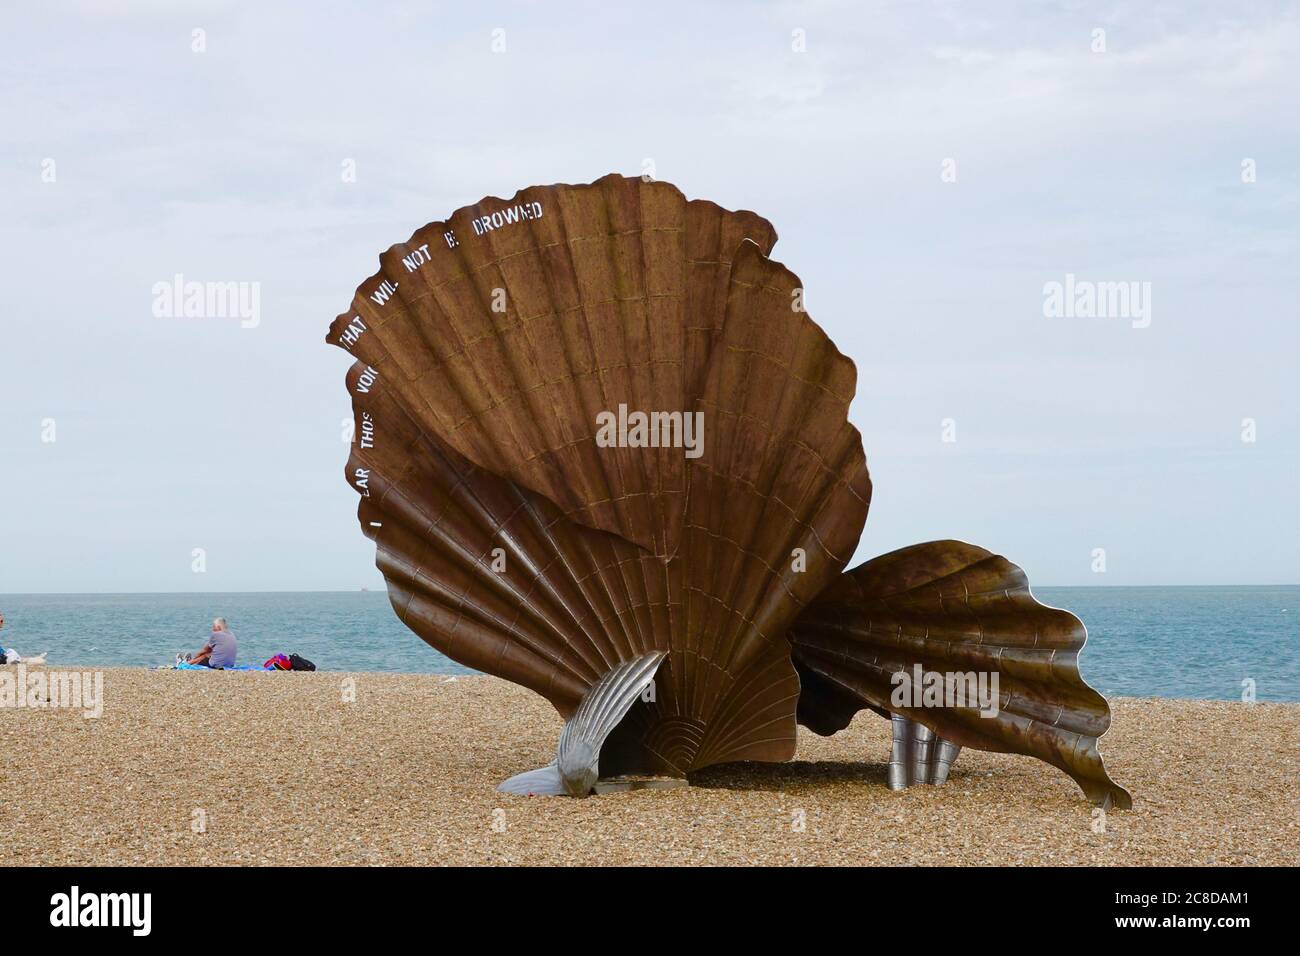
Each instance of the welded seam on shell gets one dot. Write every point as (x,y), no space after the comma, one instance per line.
(601,572)
(1019,721)
(724,635)
(557,554)
(440,316)
(495,529)
(651,465)
(629,607)
(953,650)
(535,405)
(434,287)
(607,486)
(417,582)
(736,721)
(616,630)
(788,369)
(694,639)
(588,496)
(645,464)
(486,519)
(469,277)
(423,326)
(434,227)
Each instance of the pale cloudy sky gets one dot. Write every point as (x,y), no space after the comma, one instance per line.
(1072,434)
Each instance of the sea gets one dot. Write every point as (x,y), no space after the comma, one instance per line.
(1211,643)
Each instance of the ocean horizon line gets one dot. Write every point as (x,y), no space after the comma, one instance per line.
(1194,641)
(382,589)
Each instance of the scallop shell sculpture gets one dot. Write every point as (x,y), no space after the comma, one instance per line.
(603,453)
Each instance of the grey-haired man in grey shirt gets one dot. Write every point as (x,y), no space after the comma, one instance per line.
(221,648)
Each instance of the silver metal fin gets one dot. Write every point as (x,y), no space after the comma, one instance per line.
(606,703)
(542,782)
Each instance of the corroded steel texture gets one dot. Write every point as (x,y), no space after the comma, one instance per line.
(512,559)
(510,326)
(953,610)
(498,351)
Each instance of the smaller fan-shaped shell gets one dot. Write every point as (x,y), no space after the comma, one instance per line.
(954,608)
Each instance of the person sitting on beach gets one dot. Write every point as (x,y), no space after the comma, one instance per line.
(11,656)
(221,648)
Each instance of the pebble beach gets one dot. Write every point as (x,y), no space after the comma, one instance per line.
(195,768)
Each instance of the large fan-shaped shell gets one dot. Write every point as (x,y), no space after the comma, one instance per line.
(515,322)
(773,508)
(954,608)
(513,541)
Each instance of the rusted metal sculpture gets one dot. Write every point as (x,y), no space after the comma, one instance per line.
(604,453)
(955,610)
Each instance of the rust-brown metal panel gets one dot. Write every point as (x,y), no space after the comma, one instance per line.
(513,323)
(487,346)
(955,608)
(773,508)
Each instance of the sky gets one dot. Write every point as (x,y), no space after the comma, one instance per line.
(931,168)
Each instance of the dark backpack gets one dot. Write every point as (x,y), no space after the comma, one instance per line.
(300,663)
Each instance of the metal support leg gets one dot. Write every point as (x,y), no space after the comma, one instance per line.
(944,757)
(922,737)
(918,755)
(900,754)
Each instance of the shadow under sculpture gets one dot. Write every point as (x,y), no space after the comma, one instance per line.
(676,592)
